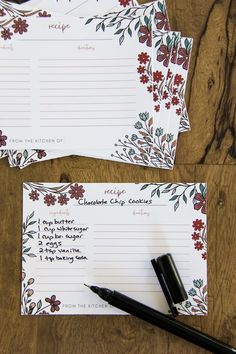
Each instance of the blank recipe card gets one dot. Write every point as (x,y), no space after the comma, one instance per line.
(106,235)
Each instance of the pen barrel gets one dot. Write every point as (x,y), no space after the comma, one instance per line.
(154,317)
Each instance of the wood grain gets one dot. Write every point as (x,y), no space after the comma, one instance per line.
(206,154)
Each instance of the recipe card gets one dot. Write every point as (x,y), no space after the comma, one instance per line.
(106,235)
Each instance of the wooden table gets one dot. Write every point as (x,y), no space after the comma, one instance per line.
(206,154)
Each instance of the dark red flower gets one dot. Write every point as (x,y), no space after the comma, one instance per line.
(165,95)
(175,100)
(34,195)
(198,225)
(204,256)
(167,105)
(198,245)
(3,139)
(20,26)
(54,303)
(157,76)
(161,21)
(199,203)
(6,34)
(41,154)
(155,97)
(149,88)
(2,13)
(157,108)
(49,199)
(125,2)
(144,79)
(178,111)
(183,58)
(165,56)
(62,199)
(195,236)
(169,74)
(145,35)
(178,80)
(143,58)
(141,69)
(174,54)
(76,191)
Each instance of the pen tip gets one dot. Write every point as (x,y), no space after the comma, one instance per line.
(87,286)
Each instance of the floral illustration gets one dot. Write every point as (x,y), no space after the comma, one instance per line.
(62,194)
(17,158)
(199,236)
(31,307)
(198,302)
(184,54)
(181,192)
(3,139)
(13,19)
(138,147)
(133,20)
(27,234)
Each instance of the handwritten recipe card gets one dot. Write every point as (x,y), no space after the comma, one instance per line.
(106,235)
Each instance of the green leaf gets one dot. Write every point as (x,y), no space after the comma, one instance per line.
(88,21)
(130,31)
(185,199)
(161,6)
(136,25)
(39,305)
(121,39)
(192,192)
(201,188)
(176,206)
(103,27)
(119,31)
(98,26)
(25,154)
(174,198)
(153,192)
(144,187)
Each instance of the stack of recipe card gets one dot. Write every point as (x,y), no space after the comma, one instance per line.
(109,86)
(107,235)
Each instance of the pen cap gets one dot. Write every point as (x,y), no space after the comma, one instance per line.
(169,279)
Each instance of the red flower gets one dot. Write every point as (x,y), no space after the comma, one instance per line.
(54,303)
(165,56)
(167,105)
(169,74)
(161,21)
(20,26)
(2,13)
(3,139)
(6,34)
(178,80)
(34,195)
(175,101)
(41,154)
(178,111)
(144,79)
(165,95)
(149,88)
(141,69)
(183,58)
(157,76)
(62,199)
(204,255)
(174,54)
(124,2)
(76,191)
(49,199)
(195,236)
(157,108)
(143,58)
(198,245)
(155,97)
(198,225)
(199,203)
(145,35)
